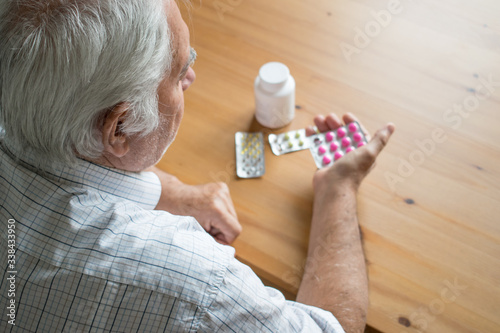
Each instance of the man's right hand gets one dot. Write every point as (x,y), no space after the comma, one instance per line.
(210,204)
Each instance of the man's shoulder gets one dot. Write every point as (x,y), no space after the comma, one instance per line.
(93,230)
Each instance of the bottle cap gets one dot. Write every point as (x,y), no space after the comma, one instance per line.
(273,76)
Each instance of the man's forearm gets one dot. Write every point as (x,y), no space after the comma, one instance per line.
(335,275)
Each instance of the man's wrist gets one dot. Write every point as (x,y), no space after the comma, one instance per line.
(166,179)
(171,191)
(333,188)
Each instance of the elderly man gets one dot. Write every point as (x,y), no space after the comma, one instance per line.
(101,241)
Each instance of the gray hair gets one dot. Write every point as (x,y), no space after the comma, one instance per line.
(65,63)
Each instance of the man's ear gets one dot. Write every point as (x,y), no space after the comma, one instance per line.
(114,140)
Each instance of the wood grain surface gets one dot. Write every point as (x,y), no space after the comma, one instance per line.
(430,210)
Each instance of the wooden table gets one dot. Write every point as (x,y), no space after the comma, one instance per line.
(430,211)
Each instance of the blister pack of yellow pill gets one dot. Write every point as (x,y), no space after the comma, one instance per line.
(249,154)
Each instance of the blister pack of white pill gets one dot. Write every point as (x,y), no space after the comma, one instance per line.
(249,154)
(289,142)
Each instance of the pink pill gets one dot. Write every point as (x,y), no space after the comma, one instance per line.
(338,155)
(321,150)
(346,142)
(329,136)
(357,137)
(334,146)
(348,150)
(341,132)
(353,127)
(326,160)
(361,144)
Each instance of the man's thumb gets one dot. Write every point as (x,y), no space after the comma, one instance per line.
(380,139)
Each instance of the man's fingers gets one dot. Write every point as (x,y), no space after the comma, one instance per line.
(325,124)
(320,123)
(227,230)
(218,236)
(226,197)
(380,139)
(349,118)
(226,222)
(333,121)
(311,130)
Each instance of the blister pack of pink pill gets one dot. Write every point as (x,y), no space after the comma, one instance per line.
(328,147)
(325,147)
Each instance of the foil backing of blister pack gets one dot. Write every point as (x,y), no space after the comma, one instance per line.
(249,154)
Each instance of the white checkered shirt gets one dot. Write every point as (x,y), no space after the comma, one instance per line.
(93,256)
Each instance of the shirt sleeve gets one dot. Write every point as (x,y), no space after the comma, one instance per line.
(244,304)
(154,188)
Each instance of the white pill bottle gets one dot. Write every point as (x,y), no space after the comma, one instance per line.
(274,95)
